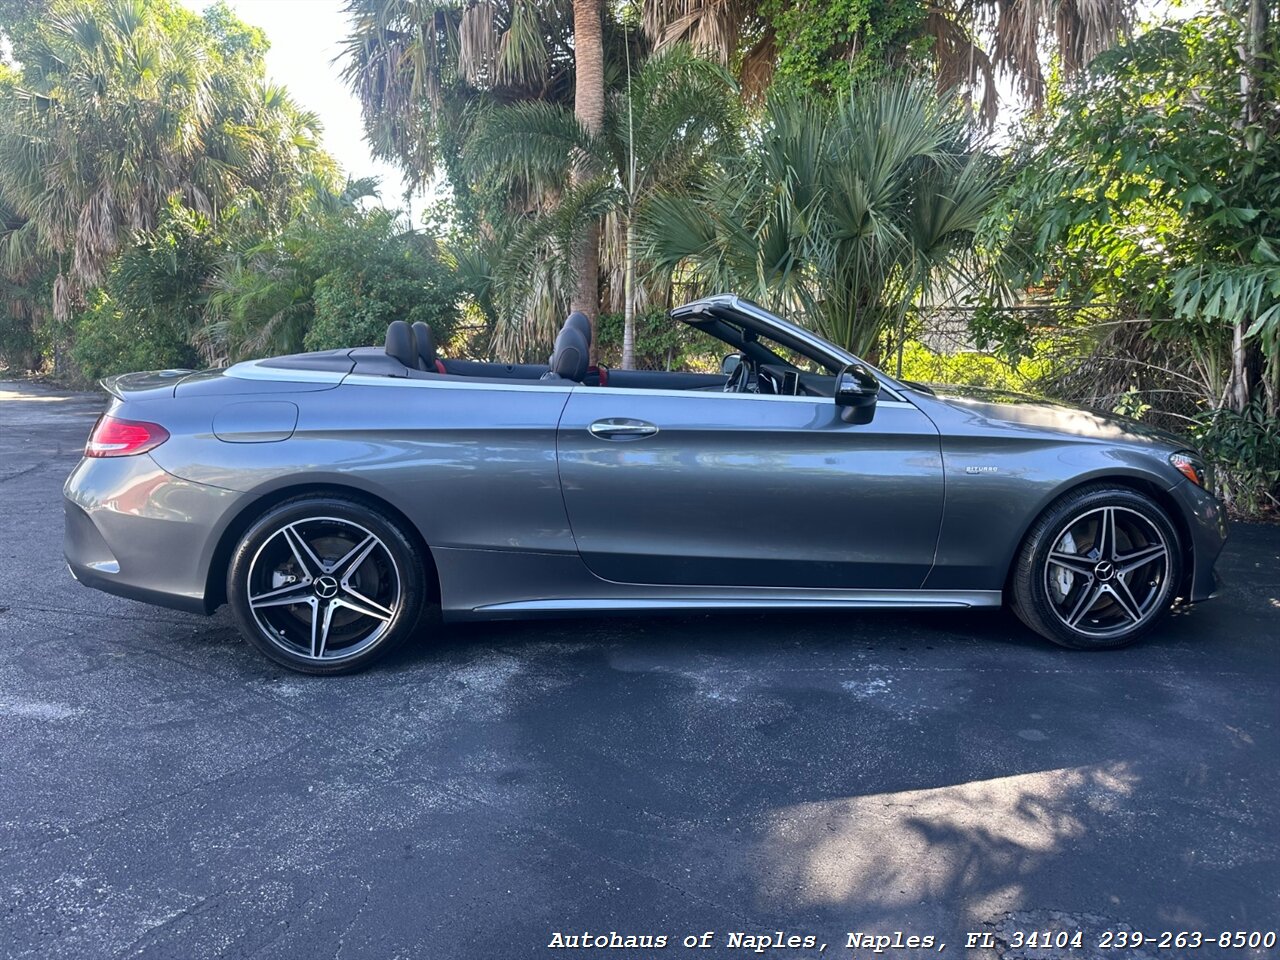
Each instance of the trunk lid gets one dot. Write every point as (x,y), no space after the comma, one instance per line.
(149,385)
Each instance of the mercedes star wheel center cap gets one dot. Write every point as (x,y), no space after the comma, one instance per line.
(326,587)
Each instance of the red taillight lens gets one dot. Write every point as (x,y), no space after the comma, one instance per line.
(113,437)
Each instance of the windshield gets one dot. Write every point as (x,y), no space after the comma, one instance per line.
(794,358)
(732,321)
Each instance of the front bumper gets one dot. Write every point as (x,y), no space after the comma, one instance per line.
(136,531)
(1207,524)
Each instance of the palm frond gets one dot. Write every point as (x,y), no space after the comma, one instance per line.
(847,212)
(535,275)
(532,142)
(711,27)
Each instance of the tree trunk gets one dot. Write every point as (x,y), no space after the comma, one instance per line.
(629,294)
(1245,356)
(588,106)
(1238,389)
(1255,16)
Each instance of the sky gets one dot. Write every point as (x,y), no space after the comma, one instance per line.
(305,36)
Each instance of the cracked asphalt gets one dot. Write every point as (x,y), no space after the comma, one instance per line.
(167,793)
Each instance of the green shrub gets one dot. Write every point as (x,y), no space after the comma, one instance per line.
(109,341)
(334,281)
(23,316)
(966,368)
(18,349)
(401,280)
(144,314)
(1245,451)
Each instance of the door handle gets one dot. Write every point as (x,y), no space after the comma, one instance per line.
(620,428)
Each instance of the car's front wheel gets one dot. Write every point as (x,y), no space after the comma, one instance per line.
(1098,569)
(326,585)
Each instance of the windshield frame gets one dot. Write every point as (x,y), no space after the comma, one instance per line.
(735,311)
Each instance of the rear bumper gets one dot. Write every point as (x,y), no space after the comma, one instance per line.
(1207,523)
(133,530)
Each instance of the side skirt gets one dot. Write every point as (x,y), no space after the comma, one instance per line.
(813,600)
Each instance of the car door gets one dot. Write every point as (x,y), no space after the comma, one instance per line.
(717,489)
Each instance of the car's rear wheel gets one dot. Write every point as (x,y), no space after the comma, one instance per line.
(326,585)
(1099,569)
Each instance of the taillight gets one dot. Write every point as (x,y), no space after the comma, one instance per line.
(113,437)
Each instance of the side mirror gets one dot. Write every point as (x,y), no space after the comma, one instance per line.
(730,364)
(857,391)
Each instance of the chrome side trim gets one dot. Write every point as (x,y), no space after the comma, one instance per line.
(250,370)
(843,599)
(448,382)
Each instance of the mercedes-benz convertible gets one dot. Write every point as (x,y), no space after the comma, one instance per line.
(332,497)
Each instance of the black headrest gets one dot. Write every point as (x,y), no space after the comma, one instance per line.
(426,343)
(570,357)
(400,345)
(578,321)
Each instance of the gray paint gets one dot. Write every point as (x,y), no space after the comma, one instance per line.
(256,421)
(736,490)
(167,794)
(733,500)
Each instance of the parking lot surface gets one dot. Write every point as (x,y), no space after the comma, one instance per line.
(165,792)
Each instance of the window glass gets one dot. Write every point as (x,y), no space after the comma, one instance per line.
(798,360)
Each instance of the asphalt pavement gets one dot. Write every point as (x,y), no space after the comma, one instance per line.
(494,789)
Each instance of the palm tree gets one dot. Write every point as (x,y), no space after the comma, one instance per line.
(122,109)
(847,213)
(418,67)
(588,108)
(105,127)
(657,133)
(969,40)
(423,68)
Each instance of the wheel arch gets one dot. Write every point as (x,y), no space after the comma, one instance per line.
(1139,483)
(215,591)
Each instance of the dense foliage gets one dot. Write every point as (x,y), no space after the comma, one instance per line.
(659,133)
(844,211)
(149,307)
(162,203)
(332,277)
(814,41)
(1153,198)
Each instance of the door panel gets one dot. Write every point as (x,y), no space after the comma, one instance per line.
(724,489)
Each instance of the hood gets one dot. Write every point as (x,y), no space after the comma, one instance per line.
(1040,415)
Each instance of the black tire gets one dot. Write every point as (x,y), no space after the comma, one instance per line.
(326,584)
(1073,586)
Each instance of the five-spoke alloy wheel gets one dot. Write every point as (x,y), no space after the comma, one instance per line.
(325,584)
(1098,569)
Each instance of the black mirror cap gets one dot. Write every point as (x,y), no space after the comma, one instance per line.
(857,390)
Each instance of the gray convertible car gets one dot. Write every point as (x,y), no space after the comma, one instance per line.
(331,497)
